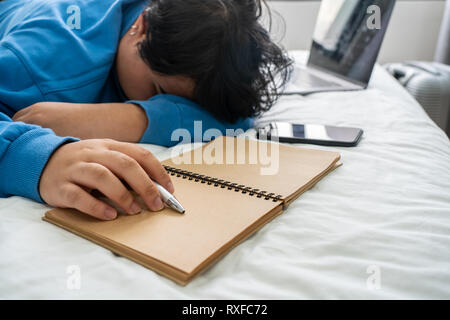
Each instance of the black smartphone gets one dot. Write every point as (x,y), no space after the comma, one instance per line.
(311,133)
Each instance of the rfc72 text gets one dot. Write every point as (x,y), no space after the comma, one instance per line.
(230,309)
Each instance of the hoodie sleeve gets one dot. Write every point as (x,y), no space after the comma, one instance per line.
(24,152)
(173,120)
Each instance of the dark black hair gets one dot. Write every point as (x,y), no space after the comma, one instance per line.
(221,44)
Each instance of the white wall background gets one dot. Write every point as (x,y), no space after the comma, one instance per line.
(412,33)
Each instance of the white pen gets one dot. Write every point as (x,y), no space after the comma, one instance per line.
(169,199)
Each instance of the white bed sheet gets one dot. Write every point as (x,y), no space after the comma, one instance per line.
(387,211)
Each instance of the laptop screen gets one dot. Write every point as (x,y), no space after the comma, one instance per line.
(348,37)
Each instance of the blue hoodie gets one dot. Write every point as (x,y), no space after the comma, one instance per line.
(64,50)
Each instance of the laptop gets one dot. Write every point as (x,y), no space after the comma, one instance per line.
(345,46)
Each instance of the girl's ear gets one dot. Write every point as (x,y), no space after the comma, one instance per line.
(141,26)
(144,22)
(138,29)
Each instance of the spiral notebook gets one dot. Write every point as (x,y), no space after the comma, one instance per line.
(226,197)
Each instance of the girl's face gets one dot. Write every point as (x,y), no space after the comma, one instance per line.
(136,78)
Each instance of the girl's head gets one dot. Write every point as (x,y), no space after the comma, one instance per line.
(214,52)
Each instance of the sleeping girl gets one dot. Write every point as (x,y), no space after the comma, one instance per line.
(111,72)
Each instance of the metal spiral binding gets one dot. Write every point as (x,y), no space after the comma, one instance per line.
(184,174)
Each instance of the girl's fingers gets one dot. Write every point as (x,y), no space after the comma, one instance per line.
(96,176)
(131,171)
(147,161)
(75,197)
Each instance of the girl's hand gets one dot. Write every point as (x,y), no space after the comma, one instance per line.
(78,167)
(119,121)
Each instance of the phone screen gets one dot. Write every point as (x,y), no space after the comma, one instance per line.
(314,132)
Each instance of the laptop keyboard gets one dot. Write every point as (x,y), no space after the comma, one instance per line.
(305,78)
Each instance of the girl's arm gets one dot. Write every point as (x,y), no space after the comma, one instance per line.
(119,121)
(164,120)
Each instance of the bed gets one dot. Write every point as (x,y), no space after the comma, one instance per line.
(376,228)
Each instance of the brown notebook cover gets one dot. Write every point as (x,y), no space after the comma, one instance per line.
(225,203)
